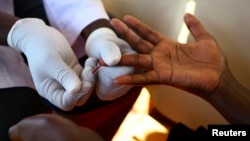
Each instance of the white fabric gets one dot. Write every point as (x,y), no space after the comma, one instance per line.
(104,44)
(72,16)
(54,68)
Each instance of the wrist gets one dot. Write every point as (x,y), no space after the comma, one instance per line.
(93,26)
(225,81)
(231,99)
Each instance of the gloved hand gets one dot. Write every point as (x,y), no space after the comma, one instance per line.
(104,44)
(55,70)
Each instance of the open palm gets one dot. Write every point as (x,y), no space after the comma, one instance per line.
(192,67)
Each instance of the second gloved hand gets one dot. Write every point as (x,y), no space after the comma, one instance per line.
(104,44)
(55,70)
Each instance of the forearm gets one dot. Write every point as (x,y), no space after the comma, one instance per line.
(6,22)
(232,100)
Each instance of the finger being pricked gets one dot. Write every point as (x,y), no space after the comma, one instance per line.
(136,42)
(141,79)
(140,61)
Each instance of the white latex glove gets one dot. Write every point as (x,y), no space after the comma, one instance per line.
(55,70)
(104,44)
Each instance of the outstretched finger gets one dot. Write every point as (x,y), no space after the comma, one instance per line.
(137,60)
(196,28)
(143,30)
(147,78)
(136,42)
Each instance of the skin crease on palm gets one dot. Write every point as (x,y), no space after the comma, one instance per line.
(195,67)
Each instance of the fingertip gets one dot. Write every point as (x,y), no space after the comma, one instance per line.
(188,15)
(91,62)
(114,21)
(11,129)
(196,28)
(121,80)
(129,19)
(74,86)
(116,81)
(86,86)
(126,17)
(112,62)
(89,74)
(188,18)
(13,134)
(111,58)
(101,62)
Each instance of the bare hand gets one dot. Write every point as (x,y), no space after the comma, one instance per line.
(195,67)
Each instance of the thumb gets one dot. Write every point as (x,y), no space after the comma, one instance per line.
(110,53)
(195,27)
(67,78)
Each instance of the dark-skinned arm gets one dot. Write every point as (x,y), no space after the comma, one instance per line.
(231,99)
(6,22)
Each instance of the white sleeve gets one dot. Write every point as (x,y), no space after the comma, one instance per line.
(72,16)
